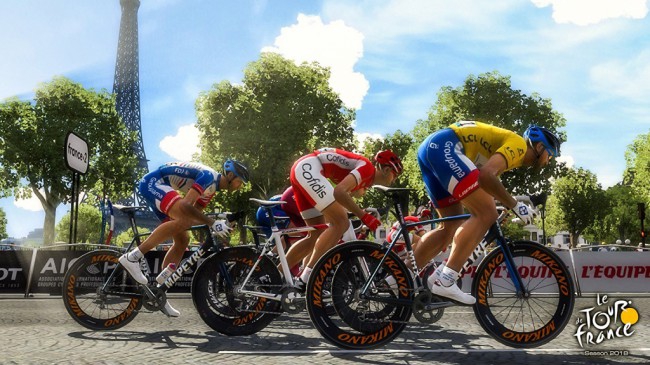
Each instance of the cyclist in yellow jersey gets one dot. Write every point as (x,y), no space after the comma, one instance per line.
(460,166)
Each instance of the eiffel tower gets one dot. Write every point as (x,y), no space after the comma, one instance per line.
(126,87)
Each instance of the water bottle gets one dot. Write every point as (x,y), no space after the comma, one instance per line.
(166,273)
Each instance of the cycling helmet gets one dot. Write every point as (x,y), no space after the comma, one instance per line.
(237,168)
(389,158)
(540,134)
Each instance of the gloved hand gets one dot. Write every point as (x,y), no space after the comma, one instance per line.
(220,228)
(524,212)
(371,221)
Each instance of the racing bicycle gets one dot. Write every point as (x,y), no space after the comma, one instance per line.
(99,293)
(242,288)
(525,293)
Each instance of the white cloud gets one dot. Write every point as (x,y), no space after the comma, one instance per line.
(183,145)
(586,12)
(334,45)
(32,204)
(627,78)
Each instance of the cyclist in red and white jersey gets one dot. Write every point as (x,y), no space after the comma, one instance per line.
(319,201)
(162,188)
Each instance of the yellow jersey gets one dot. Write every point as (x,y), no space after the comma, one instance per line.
(481,141)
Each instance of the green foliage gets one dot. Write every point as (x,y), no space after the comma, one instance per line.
(3,224)
(124,239)
(620,220)
(577,202)
(637,172)
(280,112)
(398,142)
(490,98)
(32,142)
(88,225)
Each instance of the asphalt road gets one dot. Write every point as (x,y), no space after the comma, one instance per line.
(39,331)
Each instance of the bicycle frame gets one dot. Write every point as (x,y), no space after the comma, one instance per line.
(494,234)
(276,241)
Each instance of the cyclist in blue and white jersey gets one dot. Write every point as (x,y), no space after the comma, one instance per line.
(178,192)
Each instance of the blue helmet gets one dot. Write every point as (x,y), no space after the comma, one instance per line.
(550,141)
(263,219)
(237,168)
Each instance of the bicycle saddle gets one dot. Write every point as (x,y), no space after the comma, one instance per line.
(267,203)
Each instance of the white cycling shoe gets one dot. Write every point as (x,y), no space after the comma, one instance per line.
(452,292)
(134,269)
(169,310)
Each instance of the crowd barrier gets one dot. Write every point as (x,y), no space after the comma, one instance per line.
(41,270)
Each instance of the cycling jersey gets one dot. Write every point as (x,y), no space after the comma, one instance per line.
(481,141)
(449,159)
(311,176)
(160,187)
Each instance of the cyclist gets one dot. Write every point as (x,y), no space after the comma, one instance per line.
(460,166)
(162,189)
(319,201)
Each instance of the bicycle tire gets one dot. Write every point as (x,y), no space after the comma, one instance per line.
(218,303)
(363,333)
(88,305)
(541,315)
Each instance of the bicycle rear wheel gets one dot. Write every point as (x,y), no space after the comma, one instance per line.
(216,296)
(96,303)
(528,320)
(359,323)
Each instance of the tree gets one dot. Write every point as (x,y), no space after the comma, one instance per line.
(490,98)
(576,203)
(3,224)
(32,142)
(88,225)
(620,221)
(280,112)
(637,173)
(124,239)
(400,143)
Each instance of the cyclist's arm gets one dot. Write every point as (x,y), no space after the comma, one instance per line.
(195,213)
(489,180)
(342,195)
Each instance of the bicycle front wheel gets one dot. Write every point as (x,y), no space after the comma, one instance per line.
(360,321)
(528,319)
(99,294)
(217,291)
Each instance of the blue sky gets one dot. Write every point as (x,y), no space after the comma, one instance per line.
(389,59)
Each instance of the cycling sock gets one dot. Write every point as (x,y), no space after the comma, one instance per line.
(135,255)
(305,274)
(448,276)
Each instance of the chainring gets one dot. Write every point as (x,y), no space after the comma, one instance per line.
(419,308)
(155,303)
(292,301)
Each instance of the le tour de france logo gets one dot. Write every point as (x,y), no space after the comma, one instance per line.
(609,319)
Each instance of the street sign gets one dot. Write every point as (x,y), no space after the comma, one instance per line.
(76,153)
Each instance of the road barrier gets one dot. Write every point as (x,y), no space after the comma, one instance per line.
(41,270)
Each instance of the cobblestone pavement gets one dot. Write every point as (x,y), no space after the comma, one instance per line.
(39,331)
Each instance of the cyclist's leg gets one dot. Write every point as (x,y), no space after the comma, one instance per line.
(304,246)
(483,214)
(336,215)
(433,242)
(175,253)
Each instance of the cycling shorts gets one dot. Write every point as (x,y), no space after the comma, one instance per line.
(448,174)
(158,194)
(312,190)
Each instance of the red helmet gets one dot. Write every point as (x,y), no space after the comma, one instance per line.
(389,158)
